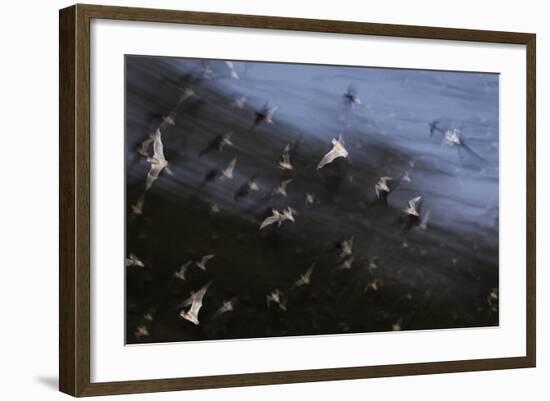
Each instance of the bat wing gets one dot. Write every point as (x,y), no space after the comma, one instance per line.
(158,148)
(270,220)
(328,158)
(153,175)
(186,302)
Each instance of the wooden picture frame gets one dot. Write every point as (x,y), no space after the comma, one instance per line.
(74,206)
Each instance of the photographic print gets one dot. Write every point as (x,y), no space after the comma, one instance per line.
(273,199)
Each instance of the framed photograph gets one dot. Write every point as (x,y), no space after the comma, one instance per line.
(250,200)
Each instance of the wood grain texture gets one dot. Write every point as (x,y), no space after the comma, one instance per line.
(74,297)
(67,100)
(302,376)
(300,24)
(74,199)
(82,182)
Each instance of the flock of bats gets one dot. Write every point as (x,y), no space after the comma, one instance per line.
(152,150)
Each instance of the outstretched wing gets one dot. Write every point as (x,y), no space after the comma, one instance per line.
(143,149)
(158,148)
(337,150)
(424,220)
(309,271)
(199,295)
(414,201)
(195,300)
(186,302)
(270,113)
(153,174)
(187,93)
(270,220)
(285,157)
(378,187)
(328,158)
(231,167)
